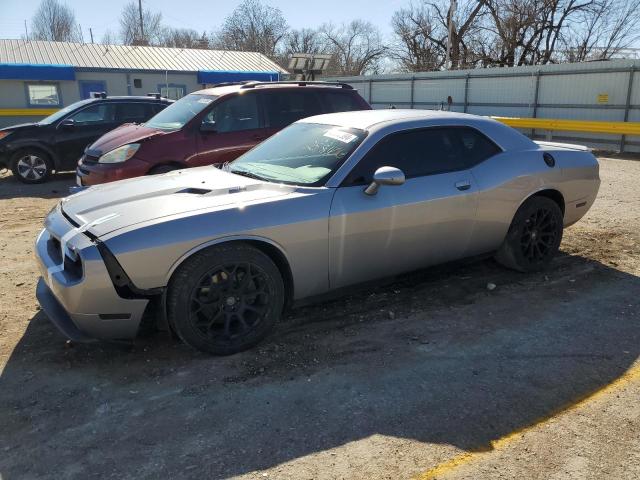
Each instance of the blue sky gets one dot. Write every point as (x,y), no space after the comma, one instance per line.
(201,15)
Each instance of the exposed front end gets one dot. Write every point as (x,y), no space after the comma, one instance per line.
(76,290)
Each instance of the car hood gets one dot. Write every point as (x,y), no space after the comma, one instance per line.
(21,126)
(123,135)
(105,208)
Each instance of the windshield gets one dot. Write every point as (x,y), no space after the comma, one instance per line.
(176,115)
(301,154)
(63,111)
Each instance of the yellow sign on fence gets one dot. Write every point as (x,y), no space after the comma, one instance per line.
(603,98)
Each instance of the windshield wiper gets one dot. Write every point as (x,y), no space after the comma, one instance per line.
(246,173)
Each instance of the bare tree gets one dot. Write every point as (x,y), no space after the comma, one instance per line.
(253,27)
(54,21)
(305,40)
(356,47)
(421,34)
(414,49)
(183,38)
(109,38)
(130,28)
(601,30)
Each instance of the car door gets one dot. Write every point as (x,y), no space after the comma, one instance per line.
(229,129)
(425,221)
(85,127)
(282,107)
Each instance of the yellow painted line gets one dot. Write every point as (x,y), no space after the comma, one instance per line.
(27,112)
(587,126)
(467,457)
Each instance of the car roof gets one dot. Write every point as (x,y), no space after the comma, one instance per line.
(367,119)
(397,119)
(249,86)
(132,98)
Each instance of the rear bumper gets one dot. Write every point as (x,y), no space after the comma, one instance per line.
(85,305)
(88,174)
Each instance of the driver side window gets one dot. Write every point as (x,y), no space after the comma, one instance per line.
(235,114)
(417,153)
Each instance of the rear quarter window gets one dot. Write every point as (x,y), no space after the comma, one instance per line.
(340,101)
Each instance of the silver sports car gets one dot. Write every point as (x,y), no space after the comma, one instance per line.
(331,201)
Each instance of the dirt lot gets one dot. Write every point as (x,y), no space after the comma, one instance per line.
(431,376)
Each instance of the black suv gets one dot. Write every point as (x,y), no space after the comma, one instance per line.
(33,150)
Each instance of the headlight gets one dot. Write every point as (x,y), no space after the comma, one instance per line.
(120,154)
(5,133)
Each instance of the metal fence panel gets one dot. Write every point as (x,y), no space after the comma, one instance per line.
(580,91)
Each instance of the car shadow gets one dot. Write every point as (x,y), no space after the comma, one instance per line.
(56,186)
(439,356)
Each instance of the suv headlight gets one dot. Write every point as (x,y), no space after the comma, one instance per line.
(120,154)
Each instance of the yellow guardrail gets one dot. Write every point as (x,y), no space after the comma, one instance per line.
(27,112)
(587,126)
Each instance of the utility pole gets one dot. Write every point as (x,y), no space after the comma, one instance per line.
(91,34)
(26,32)
(452,11)
(141,23)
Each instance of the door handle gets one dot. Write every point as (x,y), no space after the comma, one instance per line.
(259,137)
(463,185)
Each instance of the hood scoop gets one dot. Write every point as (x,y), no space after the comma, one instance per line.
(204,191)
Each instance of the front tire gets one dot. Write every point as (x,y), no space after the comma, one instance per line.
(534,236)
(225,299)
(31,166)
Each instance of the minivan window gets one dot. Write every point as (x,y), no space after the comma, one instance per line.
(235,114)
(340,101)
(287,107)
(178,114)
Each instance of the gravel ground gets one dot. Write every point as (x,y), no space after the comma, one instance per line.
(430,375)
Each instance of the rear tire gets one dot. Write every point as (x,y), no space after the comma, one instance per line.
(534,236)
(31,165)
(225,299)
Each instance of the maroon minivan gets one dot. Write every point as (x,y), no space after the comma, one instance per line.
(210,126)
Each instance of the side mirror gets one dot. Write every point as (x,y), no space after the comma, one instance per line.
(68,124)
(208,127)
(385,176)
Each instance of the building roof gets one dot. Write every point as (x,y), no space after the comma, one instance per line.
(97,56)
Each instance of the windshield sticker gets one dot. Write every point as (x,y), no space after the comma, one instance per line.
(344,137)
(206,101)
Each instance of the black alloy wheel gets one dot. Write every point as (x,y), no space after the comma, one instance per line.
(534,236)
(225,299)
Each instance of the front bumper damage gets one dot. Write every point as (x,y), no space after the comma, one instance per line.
(79,297)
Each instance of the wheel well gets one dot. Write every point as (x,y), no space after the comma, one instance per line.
(554,195)
(276,256)
(49,155)
(281,262)
(164,164)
